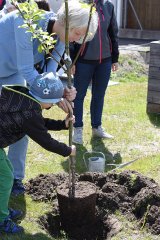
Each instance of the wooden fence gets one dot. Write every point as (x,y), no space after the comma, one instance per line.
(153,97)
(148,12)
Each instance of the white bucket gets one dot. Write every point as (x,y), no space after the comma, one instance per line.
(94,164)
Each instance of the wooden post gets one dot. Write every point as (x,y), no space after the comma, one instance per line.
(153,96)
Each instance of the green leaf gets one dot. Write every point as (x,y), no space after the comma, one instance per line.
(40,49)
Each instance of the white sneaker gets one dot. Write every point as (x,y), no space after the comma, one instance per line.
(100,132)
(78,135)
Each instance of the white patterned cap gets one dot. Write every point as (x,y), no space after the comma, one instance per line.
(47,88)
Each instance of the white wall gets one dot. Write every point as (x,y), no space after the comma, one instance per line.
(118,10)
(115,3)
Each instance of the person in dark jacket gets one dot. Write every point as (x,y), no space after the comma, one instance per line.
(20,114)
(98,57)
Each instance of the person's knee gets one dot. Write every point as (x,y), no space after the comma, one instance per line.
(8,181)
(98,96)
(80,96)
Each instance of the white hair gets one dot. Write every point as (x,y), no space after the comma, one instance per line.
(79,17)
(8,4)
(55,5)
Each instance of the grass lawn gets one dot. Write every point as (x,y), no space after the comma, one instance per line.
(136,136)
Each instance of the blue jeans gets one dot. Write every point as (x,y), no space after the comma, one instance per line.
(17,151)
(99,73)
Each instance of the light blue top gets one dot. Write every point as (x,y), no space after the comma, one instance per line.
(19,53)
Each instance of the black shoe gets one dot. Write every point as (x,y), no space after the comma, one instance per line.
(8,226)
(15,214)
(18,187)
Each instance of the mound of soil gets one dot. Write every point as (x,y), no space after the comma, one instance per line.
(133,61)
(129,191)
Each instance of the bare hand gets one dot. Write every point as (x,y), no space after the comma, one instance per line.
(68,119)
(114,67)
(70,93)
(73,69)
(73,153)
(65,106)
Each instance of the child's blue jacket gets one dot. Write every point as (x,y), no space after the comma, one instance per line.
(18,52)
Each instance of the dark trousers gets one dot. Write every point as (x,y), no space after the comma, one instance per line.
(99,73)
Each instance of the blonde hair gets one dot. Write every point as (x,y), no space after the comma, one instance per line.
(78,17)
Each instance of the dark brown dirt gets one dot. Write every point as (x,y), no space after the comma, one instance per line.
(78,211)
(130,192)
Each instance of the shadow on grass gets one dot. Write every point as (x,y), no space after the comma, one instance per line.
(99,146)
(38,236)
(154,119)
(80,166)
(18,202)
(26,236)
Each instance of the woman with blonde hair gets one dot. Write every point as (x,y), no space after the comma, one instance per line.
(20,57)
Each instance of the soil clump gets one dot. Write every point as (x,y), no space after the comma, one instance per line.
(133,194)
